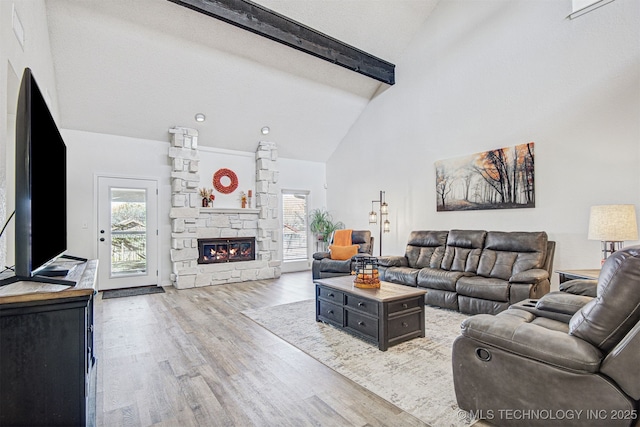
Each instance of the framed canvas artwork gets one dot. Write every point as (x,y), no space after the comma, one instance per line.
(496,179)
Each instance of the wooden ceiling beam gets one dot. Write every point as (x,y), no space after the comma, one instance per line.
(267,23)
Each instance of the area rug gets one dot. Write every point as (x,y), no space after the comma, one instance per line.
(416,375)
(129,292)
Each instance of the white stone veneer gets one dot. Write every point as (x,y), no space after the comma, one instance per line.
(189,221)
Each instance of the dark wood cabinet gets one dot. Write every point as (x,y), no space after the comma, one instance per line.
(47,360)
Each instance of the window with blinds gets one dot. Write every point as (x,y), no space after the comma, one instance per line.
(294,232)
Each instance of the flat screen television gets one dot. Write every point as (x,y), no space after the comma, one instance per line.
(41,188)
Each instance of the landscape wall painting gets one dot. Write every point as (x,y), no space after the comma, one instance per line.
(494,179)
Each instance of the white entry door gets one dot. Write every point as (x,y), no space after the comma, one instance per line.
(127,233)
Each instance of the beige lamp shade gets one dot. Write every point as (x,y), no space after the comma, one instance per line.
(613,223)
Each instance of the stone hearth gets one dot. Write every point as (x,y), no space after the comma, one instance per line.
(190,222)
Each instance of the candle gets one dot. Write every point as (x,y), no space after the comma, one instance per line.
(250,193)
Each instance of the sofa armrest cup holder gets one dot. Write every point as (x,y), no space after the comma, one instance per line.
(483,354)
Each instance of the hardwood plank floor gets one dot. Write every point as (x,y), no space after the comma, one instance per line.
(190,358)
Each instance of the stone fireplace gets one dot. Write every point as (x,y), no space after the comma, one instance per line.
(191,224)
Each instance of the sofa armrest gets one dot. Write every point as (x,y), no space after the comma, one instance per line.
(586,287)
(616,364)
(562,302)
(321,255)
(512,331)
(532,276)
(393,261)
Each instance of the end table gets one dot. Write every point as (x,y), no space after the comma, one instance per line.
(566,275)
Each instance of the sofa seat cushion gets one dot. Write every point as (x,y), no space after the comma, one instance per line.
(483,287)
(518,332)
(335,266)
(402,275)
(435,278)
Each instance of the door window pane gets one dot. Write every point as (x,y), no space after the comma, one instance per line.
(128,231)
(294,233)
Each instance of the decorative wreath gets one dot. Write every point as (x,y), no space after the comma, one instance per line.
(217,183)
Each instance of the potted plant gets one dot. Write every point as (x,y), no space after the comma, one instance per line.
(321,223)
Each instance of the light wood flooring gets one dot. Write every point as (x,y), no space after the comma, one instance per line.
(190,358)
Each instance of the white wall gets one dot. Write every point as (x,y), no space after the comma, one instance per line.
(494,73)
(36,55)
(90,155)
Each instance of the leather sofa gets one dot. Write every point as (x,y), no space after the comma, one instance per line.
(323,266)
(474,271)
(524,366)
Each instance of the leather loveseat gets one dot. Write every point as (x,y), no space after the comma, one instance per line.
(527,366)
(323,266)
(474,271)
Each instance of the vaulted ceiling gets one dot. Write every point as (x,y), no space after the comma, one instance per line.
(138,67)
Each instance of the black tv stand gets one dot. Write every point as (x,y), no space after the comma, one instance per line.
(38,279)
(64,271)
(48,364)
(54,271)
(74,258)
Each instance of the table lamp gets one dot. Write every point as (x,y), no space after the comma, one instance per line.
(612,225)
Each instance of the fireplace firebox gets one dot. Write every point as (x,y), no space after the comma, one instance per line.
(226,249)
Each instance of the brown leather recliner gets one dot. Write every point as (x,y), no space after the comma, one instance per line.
(526,366)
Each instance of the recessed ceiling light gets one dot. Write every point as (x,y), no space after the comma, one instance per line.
(265,130)
(200,117)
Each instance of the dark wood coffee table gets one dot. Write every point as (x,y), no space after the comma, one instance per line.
(385,316)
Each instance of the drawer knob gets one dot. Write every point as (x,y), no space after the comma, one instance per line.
(405,305)
(330,311)
(405,325)
(331,294)
(361,323)
(360,304)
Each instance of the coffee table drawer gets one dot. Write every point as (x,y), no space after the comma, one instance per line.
(362,324)
(330,294)
(329,312)
(397,306)
(404,325)
(362,304)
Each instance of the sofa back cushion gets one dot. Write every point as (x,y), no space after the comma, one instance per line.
(425,248)
(463,249)
(362,238)
(606,319)
(508,253)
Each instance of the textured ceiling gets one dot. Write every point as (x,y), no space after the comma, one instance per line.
(138,67)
